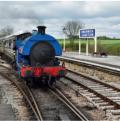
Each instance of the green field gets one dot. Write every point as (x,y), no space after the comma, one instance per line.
(111,47)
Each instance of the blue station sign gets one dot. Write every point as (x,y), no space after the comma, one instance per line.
(87,33)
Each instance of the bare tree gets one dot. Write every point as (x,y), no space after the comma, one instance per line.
(71,28)
(6,31)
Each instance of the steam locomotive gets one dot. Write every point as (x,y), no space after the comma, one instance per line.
(36,60)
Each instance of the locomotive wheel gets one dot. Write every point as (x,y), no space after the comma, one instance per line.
(30,83)
(51,81)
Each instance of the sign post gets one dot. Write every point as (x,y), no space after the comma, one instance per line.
(64,44)
(79,46)
(95,49)
(87,33)
(64,48)
(87,50)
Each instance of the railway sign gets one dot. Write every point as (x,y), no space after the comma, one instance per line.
(87,33)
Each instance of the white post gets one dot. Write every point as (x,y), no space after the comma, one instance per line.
(87,47)
(95,49)
(64,44)
(79,46)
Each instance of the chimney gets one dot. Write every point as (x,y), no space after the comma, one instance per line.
(41,29)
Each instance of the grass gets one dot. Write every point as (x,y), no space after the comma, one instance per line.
(111,47)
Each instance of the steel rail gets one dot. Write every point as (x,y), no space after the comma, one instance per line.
(68,103)
(94,80)
(30,99)
(92,61)
(102,67)
(103,97)
(40,118)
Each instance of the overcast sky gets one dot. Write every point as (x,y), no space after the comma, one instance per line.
(104,16)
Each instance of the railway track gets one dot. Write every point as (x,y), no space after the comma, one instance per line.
(92,61)
(68,103)
(112,69)
(55,106)
(101,94)
(32,98)
(8,74)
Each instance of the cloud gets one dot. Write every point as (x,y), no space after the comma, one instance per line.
(104,16)
(48,10)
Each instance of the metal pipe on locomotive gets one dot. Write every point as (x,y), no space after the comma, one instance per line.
(36,57)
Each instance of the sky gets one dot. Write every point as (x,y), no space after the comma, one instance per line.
(104,16)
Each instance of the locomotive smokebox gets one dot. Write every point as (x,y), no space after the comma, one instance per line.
(41,29)
(41,53)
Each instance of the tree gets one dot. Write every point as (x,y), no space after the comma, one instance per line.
(6,31)
(71,29)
